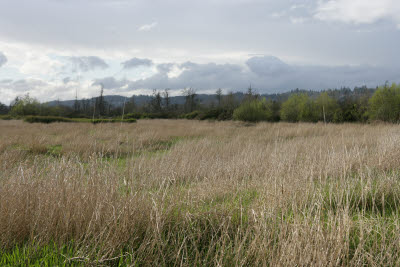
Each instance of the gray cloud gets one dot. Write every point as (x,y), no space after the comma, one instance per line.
(165,67)
(267,66)
(88,63)
(3,59)
(136,62)
(267,74)
(110,83)
(237,27)
(66,80)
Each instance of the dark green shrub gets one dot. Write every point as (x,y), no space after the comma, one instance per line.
(192,115)
(134,115)
(211,114)
(96,121)
(50,119)
(216,114)
(45,119)
(6,117)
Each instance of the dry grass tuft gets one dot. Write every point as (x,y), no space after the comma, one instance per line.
(176,192)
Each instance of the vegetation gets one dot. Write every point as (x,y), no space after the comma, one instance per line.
(331,106)
(384,105)
(254,110)
(51,119)
(180,192)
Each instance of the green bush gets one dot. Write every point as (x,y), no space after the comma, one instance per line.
(46,119)
(25,105)
(384,105)
(6,117)
(134,115)
(144,115)
(192,115)
(96,121)
(253,111)
(299,107)
(50,119)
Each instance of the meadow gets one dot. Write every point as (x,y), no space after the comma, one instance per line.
(190,193)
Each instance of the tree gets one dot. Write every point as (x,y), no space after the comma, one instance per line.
(166,99)
(250,94)
(25,105)
(3,109)
(326,107)
(101,103)
(385,104)
(229,101)
(77,106)
(130,105)
(299,107)
(219,96)
(155,103)
(254,111)
(190,99)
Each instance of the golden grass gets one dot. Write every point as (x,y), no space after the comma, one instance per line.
(177,192)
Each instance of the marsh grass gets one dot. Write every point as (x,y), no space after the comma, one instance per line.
(177,192)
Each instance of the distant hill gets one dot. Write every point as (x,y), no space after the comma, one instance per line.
(118,101)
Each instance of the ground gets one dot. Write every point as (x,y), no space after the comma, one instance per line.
(179,192)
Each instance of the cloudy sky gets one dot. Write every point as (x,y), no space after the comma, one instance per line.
(53,48)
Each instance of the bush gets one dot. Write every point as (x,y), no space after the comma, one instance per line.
(144,115)
(6,117)
(216,114)
(50,119)
(134,115)
(299,107)
(46,119)
(385,104)
(253,111)
(192,115)
(96,121)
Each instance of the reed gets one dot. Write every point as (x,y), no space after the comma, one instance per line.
(178,192)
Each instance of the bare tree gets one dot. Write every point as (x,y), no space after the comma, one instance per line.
(166,98)
(219,96)
(190,99)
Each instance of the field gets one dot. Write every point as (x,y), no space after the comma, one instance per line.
(178,192)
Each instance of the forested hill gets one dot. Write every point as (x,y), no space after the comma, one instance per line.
(118,101)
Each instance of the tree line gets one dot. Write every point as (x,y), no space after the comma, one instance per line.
(361,104)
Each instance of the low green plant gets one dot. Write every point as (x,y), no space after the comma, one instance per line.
(46,119)
(51,119)
(6,117)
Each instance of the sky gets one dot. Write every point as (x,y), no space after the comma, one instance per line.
(55,49)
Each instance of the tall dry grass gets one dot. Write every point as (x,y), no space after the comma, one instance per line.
(175,192)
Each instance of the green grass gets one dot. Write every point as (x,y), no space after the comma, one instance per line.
(53,255)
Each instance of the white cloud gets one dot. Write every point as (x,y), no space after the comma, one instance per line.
(45,90)
(147,27)
(358,11)
(39,65)
(277,15)
(298,20)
